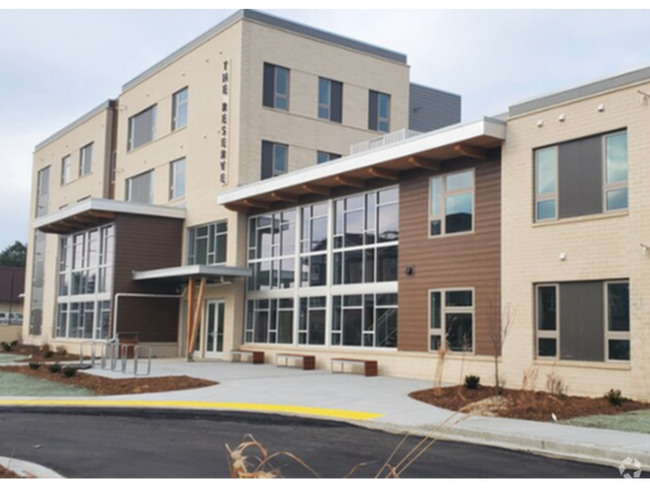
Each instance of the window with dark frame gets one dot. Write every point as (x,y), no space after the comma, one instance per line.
(276,87)
(208,244)
(324,157)
(330,100)
(451,320)
(451,203)
(274,159)
(379,111)
(142,128)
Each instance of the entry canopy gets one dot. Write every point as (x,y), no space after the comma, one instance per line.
(183,273)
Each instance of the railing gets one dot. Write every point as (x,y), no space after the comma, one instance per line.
(385,140)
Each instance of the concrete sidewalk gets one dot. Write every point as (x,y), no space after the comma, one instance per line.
(377,403)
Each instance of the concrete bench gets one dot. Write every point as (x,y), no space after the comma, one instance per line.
(308,361)
(257,357)
(370,367)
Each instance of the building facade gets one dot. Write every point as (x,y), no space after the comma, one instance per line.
(127,236)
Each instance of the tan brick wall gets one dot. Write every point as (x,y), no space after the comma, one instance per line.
(597,247)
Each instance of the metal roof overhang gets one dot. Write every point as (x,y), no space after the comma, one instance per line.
(427,151)
(98,211)
(183,273)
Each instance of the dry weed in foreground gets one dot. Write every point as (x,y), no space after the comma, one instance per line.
(243,465)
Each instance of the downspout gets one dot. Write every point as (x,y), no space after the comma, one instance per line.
(134,295)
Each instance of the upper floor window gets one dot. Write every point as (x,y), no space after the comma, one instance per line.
(177,179)
(276,87)
(42,192)
(208,244)
(179,109)
(140,188)
(324,157)
(379,111)
(451,203)
(274,159)
(66,170)
(582,177)
(330,100)
(86,160)
(142,128)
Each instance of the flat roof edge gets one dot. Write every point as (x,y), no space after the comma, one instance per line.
(116,206)
(73,125)
(581,91)
(487,126)
(192,270)
(273,21)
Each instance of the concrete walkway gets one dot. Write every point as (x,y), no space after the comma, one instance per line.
(377,403)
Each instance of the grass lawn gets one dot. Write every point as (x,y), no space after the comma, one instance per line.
(637,421)
(15,384)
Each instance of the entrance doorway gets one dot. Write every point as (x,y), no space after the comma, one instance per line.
(213,328)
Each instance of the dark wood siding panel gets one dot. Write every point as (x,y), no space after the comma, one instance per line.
(145,243)
(463,261)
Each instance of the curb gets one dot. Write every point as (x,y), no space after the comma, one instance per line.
(27,469)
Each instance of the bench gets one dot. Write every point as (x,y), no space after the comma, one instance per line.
(370,367)
(308,362)
(257,356)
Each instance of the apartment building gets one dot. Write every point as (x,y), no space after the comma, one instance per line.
(127,236)
(576,187)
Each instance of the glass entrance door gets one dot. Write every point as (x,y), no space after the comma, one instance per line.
(214,316)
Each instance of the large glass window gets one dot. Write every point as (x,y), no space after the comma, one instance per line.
(366,232)
(270,321)
(451,203)
(368,320)
(311,326)
(208,244)
(451,319)
(142,128)
(272,251)
(85,284)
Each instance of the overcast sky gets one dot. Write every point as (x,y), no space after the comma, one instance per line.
(57,65)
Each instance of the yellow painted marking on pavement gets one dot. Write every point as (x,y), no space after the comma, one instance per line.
(257,407)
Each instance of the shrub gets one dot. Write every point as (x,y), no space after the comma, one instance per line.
(60,350)
(555,384)
(54,368)
(48,354)
(614,397)
(14,343)
(69,372)
(5,346)
(34,366)
(472,381)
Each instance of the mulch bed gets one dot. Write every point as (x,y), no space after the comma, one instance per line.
(522,404)
(5,473)
(110,386)
(40,354)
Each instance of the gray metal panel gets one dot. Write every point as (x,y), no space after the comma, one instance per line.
(581,91)
(271,21)
(582,336)
(84,118)
(431,109)
(580,177)
(373,110)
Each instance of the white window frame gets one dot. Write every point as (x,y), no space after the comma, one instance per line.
(85,162)
(441,216)
(545,197)
(444,310)
(177,105)
(173,178)
(619,185)
(66,169)
(547,334)
(615,335)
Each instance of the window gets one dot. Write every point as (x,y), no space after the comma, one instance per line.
(270,321)
(451,203)
(140,188)
(43,192)
(274,159)
(272,251)
(208,244)
(571,325)
(179,109)
(177,179)
(324,157)
(366,233)
(330,100)
(276,87)
(313,245)
(66,170)
(142,128)
(379,112)
(86,160)
(365,320)
(311,326)
(582,177)
(451,319)
(85,284)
